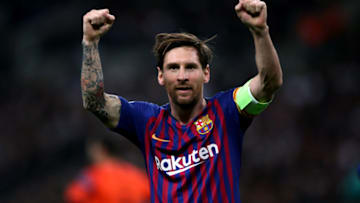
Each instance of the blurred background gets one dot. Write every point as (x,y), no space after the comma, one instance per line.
(304,148)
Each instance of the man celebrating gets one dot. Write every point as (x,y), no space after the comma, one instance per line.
(192,146)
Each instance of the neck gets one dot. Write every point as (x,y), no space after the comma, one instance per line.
(185,113)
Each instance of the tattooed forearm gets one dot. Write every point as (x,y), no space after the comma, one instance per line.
(92,81)
(94,104)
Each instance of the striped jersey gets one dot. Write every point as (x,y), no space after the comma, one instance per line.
(196,162)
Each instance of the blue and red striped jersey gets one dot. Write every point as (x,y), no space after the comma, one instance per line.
(197,162)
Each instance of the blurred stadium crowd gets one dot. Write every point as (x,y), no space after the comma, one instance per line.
(304,148)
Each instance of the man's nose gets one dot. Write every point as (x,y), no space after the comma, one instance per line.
(182,74)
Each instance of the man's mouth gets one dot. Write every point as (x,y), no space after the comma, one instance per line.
(183,89)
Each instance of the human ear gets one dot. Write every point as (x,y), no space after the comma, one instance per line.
(160,76)
(207,74)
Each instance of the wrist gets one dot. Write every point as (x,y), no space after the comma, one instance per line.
(87,41)
(259,31)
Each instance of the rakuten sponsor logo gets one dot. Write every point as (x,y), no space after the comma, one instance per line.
(175,165)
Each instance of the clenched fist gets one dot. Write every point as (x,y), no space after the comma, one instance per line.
(96,23)
(252,13)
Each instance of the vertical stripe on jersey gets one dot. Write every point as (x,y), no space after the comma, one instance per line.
(226,147)
(162,182)
(184,186)
(155,172)
(205,168)
(224,180)
(198,172)
(201,182)
(177,176)
(171,188)
(149,160)
(209,179)
(165,180)
(188,174)
(174,184)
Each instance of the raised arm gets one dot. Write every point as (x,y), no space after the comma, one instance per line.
(105,106)
(253,13)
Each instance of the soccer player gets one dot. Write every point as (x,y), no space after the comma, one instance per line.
(192,145)
(108,179)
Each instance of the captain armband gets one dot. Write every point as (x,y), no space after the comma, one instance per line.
(245,101)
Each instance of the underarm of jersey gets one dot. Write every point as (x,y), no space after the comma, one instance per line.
(245,101)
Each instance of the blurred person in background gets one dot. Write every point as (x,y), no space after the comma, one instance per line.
(108,179)
(192,145)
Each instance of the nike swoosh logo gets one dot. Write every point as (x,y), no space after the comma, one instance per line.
(159,139)
(171,173)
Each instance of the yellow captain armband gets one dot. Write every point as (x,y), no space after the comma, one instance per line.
(245,101)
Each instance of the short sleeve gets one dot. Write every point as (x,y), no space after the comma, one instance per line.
(231,111)
(133,118)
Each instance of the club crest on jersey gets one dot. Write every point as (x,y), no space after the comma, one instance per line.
(204,125)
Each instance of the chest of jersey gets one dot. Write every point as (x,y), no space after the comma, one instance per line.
(179,148)
(190,158)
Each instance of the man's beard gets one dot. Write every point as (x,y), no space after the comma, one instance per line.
(188,104)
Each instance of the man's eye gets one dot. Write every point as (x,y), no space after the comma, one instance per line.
(190,67)
(173,67)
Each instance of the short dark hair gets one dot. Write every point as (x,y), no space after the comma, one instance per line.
(164,42)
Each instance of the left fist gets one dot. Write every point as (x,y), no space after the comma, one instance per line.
(252,13)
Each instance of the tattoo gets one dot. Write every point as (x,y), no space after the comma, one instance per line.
(92,82)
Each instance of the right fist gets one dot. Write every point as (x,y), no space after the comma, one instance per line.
(96,23)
